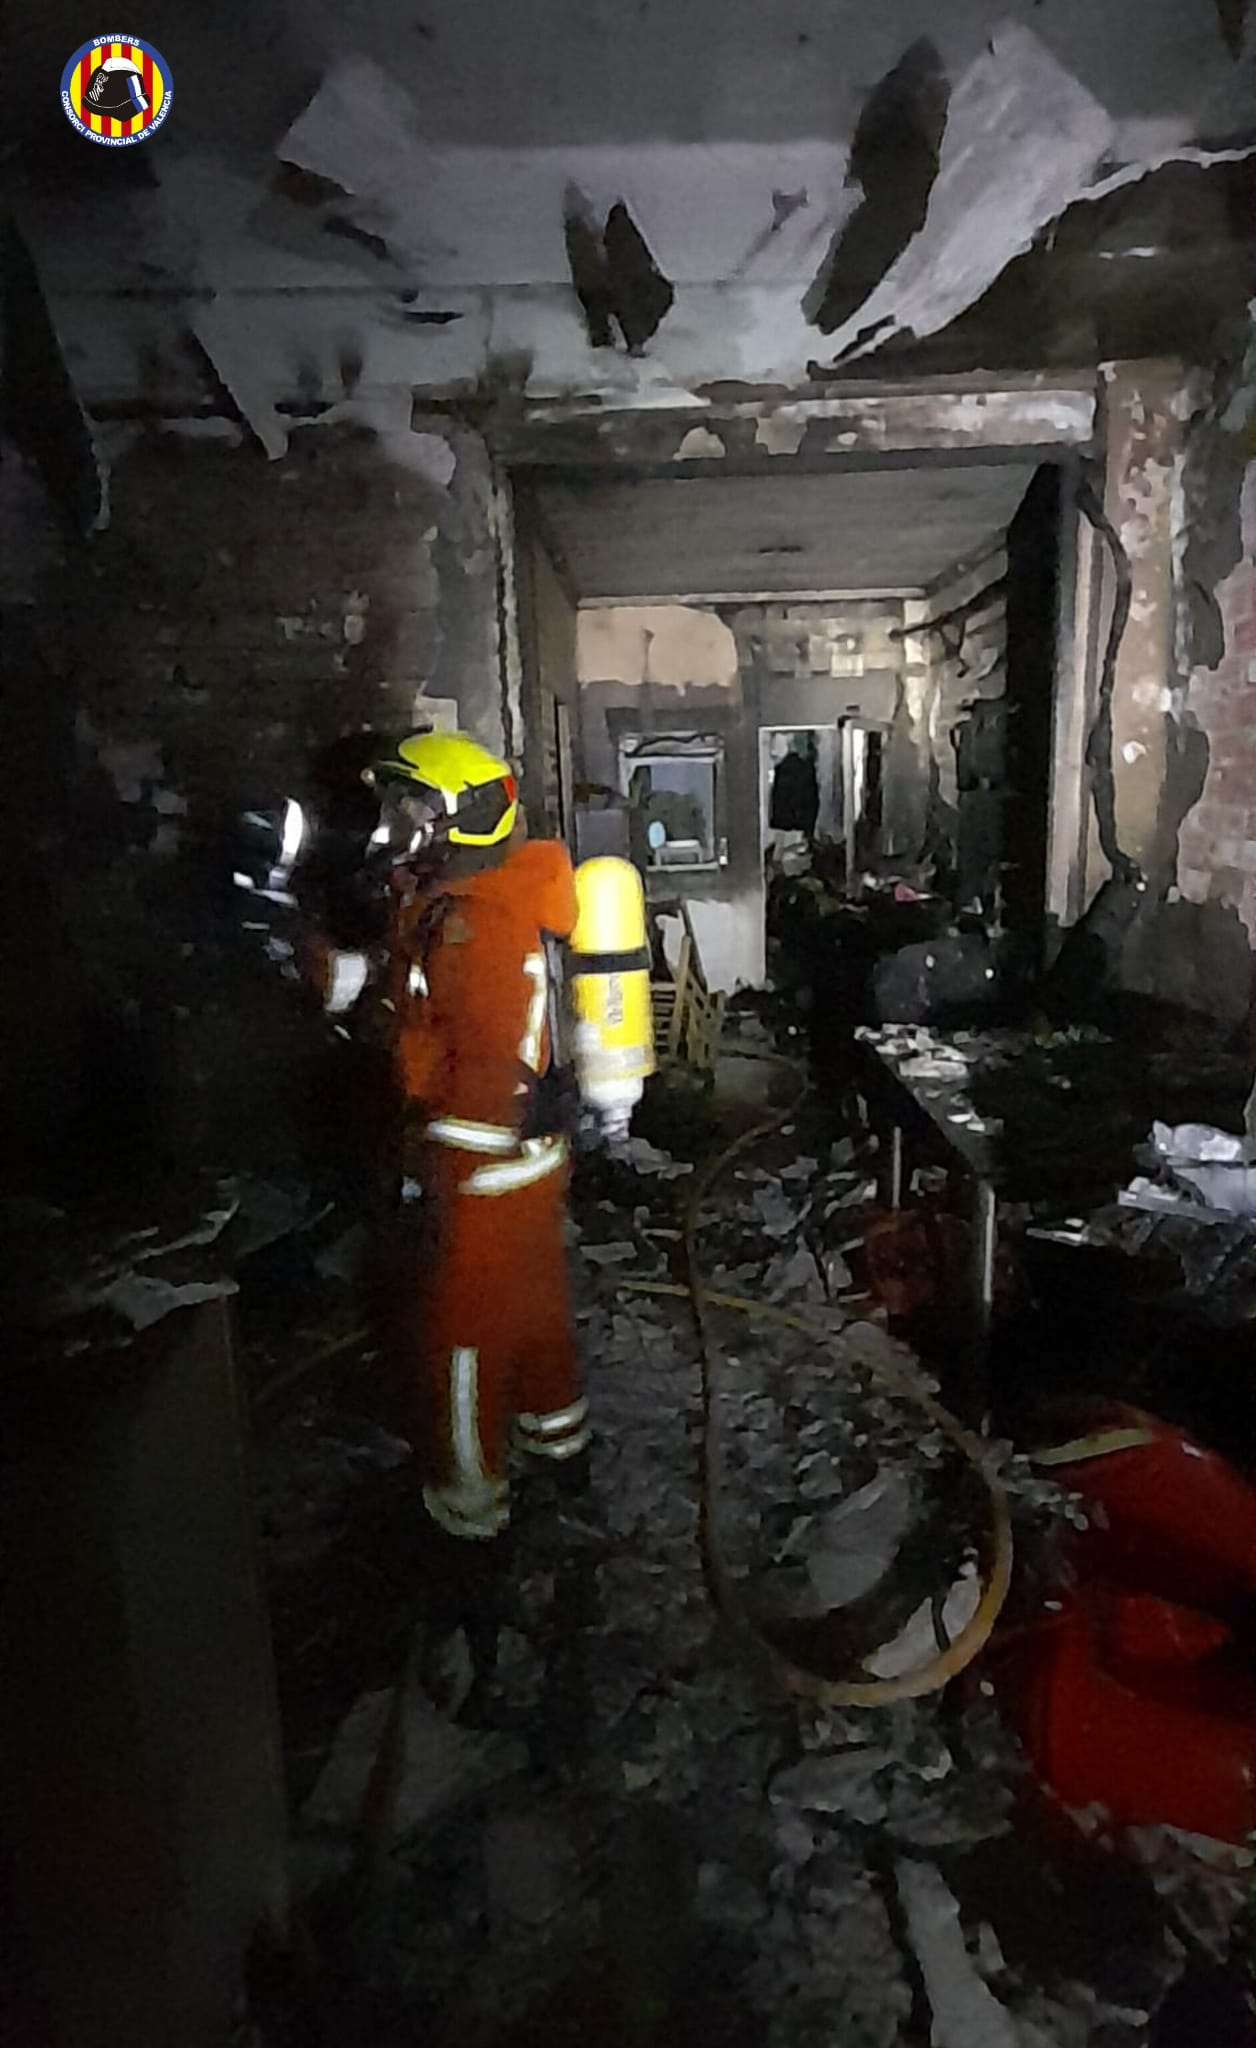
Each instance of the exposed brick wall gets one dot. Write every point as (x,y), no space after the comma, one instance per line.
(798,640)
(1217,858)
(234,616)
(239,610)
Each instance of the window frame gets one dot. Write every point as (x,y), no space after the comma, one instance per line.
(637,750)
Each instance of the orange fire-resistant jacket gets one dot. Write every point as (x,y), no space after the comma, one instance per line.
(471,1015)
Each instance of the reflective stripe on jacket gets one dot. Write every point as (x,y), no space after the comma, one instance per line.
(472,1033)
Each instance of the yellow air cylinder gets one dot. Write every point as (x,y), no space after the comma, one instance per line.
(610,972)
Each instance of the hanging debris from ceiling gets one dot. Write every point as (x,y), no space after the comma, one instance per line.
(640,294)
(615,276)
(1024,140)
(894,158)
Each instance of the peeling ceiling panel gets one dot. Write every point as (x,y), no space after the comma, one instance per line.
(1023,140)
(491,216)
(894,160)
(887,530)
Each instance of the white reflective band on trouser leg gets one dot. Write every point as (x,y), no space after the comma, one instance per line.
(479,1520)
(562,1434)
(472,1504)
(466,1135)
(348,979)
(537,1157)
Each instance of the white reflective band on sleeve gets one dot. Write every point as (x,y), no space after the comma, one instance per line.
(348,979)
(530,1044)
(416,981)
(293,833)
(538,1157)
(559,1423)
(468,1136)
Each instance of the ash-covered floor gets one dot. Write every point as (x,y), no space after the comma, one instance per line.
(641,1838)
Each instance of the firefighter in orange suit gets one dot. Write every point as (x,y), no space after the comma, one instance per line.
(487,1327)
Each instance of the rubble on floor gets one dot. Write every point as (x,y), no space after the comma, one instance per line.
(1210,1261)
(638,1840)
(103,1272)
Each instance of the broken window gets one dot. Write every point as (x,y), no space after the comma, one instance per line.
(673,787)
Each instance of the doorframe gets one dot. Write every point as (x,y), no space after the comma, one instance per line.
(765,733)
(1026,417)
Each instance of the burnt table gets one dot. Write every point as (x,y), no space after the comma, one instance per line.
(1051,1122)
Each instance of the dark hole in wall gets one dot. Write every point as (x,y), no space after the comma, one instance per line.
(894,157)
(1033,559)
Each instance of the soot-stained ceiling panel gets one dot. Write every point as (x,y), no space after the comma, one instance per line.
(734,536)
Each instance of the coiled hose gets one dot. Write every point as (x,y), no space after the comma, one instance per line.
(997,1545)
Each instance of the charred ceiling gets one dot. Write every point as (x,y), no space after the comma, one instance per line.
(884,176)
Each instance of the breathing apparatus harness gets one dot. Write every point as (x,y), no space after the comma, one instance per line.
(439,792)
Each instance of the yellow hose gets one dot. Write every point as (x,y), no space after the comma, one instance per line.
(805,1684)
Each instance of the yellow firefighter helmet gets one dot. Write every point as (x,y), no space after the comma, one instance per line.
(470,791)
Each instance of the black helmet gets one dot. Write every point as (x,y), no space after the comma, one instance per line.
(117,89)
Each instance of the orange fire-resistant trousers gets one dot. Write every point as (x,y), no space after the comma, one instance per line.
(494,1347)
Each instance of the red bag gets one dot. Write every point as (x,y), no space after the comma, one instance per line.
(1124,1694)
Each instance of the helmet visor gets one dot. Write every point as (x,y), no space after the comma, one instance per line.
(409,819)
